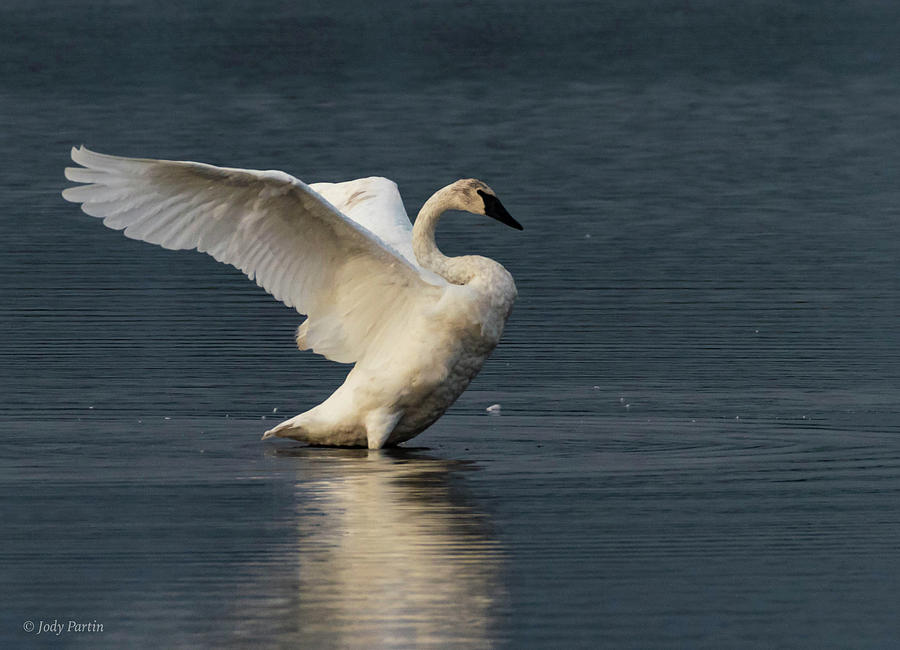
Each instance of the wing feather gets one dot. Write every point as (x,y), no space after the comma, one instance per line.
(357,289)
(374,203)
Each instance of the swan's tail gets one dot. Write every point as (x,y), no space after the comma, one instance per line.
(288,429)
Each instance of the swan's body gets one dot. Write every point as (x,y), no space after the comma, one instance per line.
(377,292)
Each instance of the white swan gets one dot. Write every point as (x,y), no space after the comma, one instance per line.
(377,292)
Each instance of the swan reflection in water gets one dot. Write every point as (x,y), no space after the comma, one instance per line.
(391,553)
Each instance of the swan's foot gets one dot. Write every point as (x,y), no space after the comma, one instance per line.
(380,425)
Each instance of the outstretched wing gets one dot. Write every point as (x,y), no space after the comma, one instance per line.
(375,204)
(356,290)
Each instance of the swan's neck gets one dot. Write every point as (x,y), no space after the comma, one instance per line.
(453,269)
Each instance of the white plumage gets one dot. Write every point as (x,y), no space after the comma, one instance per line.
(376,291)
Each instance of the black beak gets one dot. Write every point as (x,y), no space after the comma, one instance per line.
(495,210)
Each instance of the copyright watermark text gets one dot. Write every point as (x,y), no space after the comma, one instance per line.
(57,627)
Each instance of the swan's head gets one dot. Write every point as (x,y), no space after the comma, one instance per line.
(476,197)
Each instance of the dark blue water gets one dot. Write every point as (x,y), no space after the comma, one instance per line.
(699,443)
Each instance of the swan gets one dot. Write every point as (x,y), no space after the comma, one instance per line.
(376,291)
